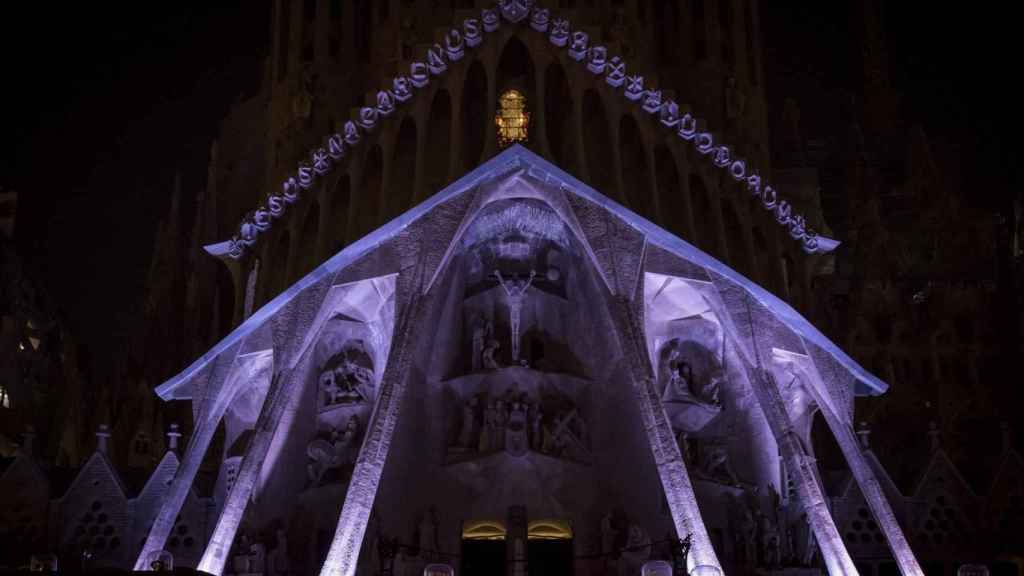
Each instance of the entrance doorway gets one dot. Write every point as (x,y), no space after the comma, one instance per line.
(483,548)
(549,546)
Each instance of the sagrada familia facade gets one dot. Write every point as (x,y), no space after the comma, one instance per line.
(525,288)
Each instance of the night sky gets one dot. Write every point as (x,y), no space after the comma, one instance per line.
(104,104)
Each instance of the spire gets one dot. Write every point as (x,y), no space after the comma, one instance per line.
(935,435)
(172,438)
(102,437)
(864,434)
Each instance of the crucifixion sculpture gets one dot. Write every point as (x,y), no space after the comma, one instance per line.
(515,293)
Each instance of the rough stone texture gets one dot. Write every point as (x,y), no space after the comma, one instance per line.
(798,462)
(343,556)
(675,480)
(661,261)
(872,491)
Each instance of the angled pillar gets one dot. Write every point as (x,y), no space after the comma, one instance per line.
(833,551)
(197,445)
(675,480)
(284,391)
(343,554)
(870,488)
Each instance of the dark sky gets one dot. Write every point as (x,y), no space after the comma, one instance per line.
(108,101)
(104,103)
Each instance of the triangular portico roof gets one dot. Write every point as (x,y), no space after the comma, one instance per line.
(520,159)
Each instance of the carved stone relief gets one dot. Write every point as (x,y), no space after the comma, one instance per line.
(515,420)
(347,377)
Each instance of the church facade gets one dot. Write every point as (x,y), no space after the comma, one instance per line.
(414,349)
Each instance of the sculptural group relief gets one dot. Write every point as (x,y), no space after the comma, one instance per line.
(516,412)
(345,390)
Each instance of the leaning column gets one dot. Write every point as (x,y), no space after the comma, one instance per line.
(833,551)
(283,393)
(675,480)
(343,555)
(870,488)
(182,483)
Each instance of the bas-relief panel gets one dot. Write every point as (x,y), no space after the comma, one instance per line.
(516,410)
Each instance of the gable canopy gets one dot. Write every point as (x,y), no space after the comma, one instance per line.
(517,159)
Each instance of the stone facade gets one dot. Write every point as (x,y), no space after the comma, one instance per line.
(327,62)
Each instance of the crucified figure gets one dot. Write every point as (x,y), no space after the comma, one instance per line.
(515,291)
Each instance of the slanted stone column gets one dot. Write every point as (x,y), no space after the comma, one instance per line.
(675,480)
(197,445)
(812,497)
(280,405)
(870,488)
(343,555)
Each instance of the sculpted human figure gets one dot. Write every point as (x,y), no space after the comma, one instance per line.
(515,294)
(489,360)
(479,336)
(716,464)
(469,425)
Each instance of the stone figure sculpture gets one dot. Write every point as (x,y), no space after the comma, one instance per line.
(489,361)
(515,294)
(468,438)
(715,464)
(278,563)
(333,453)
(479,338)
(516,442)
(346,383)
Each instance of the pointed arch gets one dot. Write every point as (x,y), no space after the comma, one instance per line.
(306,250)
(704,230)
(671,197)
(339,202)
(403,170)
(597,144)
(439,133)
(516,72)
(558,109)
(474,114)
(635,172)
(736,239)
(279,263)
(369,197)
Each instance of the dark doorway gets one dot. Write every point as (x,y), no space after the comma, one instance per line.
(483,557)
(550,557)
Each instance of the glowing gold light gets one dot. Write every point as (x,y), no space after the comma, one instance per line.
(513,120)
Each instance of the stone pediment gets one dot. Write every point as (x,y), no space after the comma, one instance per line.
(614,238)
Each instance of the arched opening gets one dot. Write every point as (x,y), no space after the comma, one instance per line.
(761,247)
(597,144)
(673,204)
(306,255)
(225,301)
(279,263)
(739,256)
(338,223)
(403,169)
(369,196)
(483,547)
(667,34)
(515,72)
(558,108)
(635,175)
(702,223)
(439,132)
(474,115)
